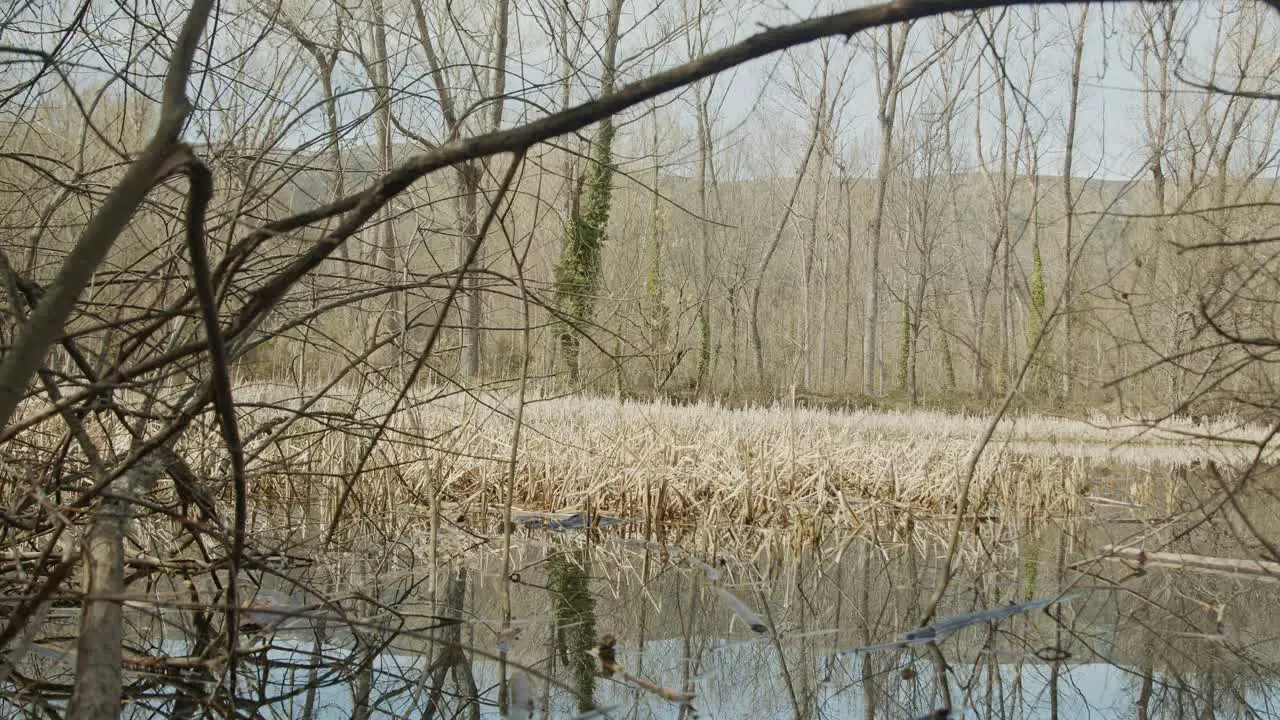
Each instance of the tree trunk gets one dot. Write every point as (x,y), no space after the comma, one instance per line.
(469,175)
(704,230)
(757,341)
(846,330)
(656,313)
(888,90)
(388,250)
(99,646)
(579,272)
(917,326)
(1069,206)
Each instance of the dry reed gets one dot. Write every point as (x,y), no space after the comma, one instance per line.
(763,467)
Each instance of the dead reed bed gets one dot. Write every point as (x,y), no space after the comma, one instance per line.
(772,466)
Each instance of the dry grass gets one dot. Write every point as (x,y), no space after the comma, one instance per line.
(765,467)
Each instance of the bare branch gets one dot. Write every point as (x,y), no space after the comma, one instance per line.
(48,318)
(365,204)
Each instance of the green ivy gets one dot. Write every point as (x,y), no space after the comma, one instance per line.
(948,361)
(904,352)
(577,276)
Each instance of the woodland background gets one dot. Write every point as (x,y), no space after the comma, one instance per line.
(893,216)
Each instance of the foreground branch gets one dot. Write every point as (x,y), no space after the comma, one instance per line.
(45,324)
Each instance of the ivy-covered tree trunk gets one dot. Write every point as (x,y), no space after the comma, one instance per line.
(948,362)
(944,337)
(904,348)
(578,273)
(888,57)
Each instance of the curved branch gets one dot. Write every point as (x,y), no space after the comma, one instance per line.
(365,204)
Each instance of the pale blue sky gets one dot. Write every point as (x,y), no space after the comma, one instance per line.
(762,113)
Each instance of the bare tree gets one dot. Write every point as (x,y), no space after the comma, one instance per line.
(922,229)
(702,19)
(888,53)
(376,60)
(1069,199)
(450,84)
(816,113)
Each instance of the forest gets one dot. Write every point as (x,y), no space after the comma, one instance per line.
(291,279)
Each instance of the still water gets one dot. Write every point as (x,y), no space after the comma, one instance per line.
(720,623)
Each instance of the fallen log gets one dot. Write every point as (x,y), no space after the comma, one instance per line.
(1188,561)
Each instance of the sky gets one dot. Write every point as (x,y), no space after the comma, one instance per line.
(761,107)
(1110,137)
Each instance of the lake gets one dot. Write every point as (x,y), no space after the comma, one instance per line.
(1035,623)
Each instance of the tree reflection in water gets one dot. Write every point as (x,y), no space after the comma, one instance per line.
(1098,638)
(451,657)
(575,621)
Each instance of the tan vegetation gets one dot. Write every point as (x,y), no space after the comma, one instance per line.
(694,463)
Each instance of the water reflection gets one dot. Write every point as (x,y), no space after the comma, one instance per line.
(573,607)
(1035,625)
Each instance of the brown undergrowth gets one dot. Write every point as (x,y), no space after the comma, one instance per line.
(765,467)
